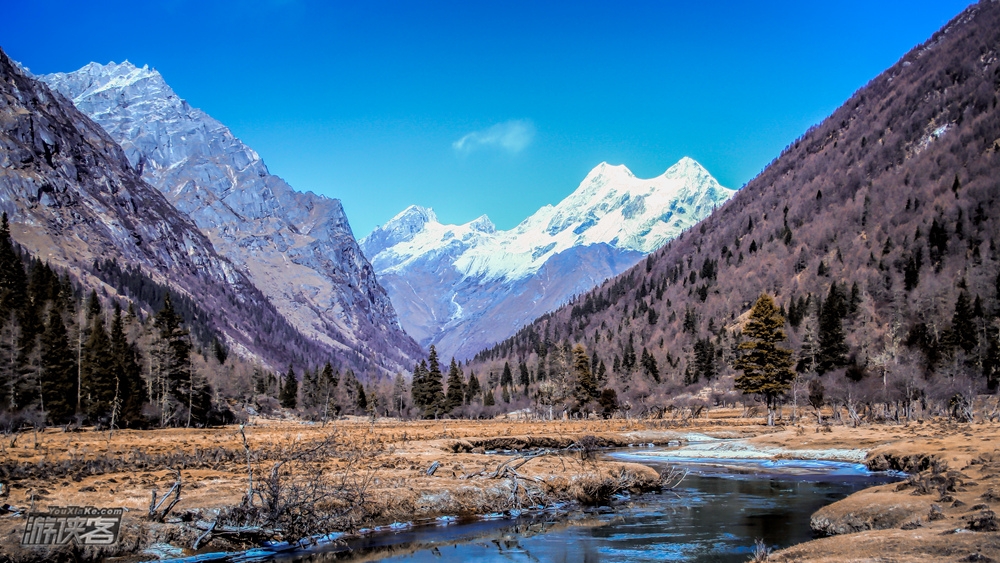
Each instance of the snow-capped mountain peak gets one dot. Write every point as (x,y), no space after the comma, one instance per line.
(610,221)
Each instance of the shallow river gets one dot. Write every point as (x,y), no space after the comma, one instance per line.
(716,514)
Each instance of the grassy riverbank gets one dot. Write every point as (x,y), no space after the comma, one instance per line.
(355,474)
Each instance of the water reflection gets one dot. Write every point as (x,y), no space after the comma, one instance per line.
(715,515)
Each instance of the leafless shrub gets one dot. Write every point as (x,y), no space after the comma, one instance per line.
(761,552)
(304,493)
(597,489)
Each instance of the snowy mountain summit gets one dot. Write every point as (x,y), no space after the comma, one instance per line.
(464,287)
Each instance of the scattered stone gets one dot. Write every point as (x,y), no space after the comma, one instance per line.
(985,521)
(434,467)
(936,513)
(911,525)
(979,558)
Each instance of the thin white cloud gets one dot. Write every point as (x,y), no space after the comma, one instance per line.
(510,136)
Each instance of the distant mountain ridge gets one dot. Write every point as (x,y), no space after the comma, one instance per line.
(462,287)
(296,247)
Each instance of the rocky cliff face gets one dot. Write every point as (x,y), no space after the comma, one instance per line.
(297,248)
(73,198)
(465,287)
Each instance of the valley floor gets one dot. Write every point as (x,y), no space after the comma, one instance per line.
(944,512)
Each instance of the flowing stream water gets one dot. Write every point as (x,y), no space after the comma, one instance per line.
(716,514)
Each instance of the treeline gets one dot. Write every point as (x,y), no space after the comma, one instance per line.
(64,358)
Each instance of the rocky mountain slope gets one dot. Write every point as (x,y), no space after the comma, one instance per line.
(463,287)
(73,200)
(296,248)
(877,231)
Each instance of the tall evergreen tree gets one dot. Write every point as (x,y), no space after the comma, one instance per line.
(434,386)
(963,333)
(704,358)
(832,352)
(97,377)
(507,378)
(362,399)
(310,388)
(418,389)
(176,386)
(524,378)
(58,375)
(456,388)
(586,384)
(767,368)
(131,392)
(13,280)
(290,390)
(649,366)
(473,392)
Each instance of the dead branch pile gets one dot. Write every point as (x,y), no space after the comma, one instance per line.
(313,489)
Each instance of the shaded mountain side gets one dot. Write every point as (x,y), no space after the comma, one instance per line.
(297,248)
(877,230)
(73,198)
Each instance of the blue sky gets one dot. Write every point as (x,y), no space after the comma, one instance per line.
(488,107)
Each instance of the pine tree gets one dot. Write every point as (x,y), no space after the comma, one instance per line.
(586,385)
(434,387)
(649,367)
(473,392)
(507,379)
(524,378)
(456,388)
(767,368)
(176,391)
(704,359)
(807,353)
(130,393)
(362,398)
(58,373)
(310,388)
(13,280)
(832,352)
(290,390)
(418,389)
(963,327)
(97,377)
(399,394)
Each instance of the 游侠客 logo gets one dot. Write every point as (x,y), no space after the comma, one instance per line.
(84,525)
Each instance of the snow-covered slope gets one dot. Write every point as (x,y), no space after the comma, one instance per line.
(296,247)
(463,287)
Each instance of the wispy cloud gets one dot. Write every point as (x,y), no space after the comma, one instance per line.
(510,136)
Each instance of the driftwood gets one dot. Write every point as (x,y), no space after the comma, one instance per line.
(509,467)
(671,479)
(154,506)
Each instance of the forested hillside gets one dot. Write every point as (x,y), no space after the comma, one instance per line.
(876,232)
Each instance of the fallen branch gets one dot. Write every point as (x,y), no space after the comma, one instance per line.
(154,506)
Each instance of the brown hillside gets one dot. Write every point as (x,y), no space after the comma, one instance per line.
(893,199)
